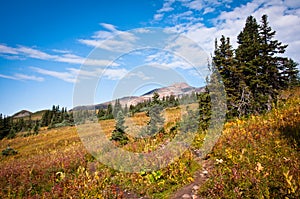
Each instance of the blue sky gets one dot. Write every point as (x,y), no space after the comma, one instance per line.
(44,44)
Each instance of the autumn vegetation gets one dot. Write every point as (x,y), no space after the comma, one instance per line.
(257,155)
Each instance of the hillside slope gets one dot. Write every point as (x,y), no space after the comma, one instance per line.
(259,157)
(256,157)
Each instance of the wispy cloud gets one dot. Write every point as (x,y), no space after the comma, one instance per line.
(23,52)
(139,75)
(28,77)
(68,76)
(61,51)
(167,6)
(72,75)
(8,50)
(166,60)
(199,7)
(111,39)
(34,53)
(22,77)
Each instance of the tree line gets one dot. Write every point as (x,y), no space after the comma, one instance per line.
(56,117)
(254,72)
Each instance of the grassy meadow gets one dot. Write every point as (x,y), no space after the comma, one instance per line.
(256,157)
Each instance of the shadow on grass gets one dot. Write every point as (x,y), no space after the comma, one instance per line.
(292,133)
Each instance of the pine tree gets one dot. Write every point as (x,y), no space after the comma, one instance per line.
(226,64)
(109,112)
(204,109)
(125,109)
(118,133)
(289,75)
(101,114)
(247,55)
(190,121)
(155,113)
(269,62)
(117,108)
(36,128)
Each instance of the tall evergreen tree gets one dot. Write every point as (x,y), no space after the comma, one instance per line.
(118,133)
(270,62)
(247,55)
(204,109)
(225,63)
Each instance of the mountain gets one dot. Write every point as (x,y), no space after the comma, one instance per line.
(177,89)
(23,113)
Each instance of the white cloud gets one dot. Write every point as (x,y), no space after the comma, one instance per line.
(28,77)
(114,74)
(8,77)
(158,17)
(167,6)
(169,58)
(4,49)
(196,4)
(33,53)
(142,30)
(292,3)
(65,76)
(284,18)
(208,10)
(61,51)
(109,27)
(204,6)
(22,52)
(21,77)
(112,40)
(72,75)
(141,75)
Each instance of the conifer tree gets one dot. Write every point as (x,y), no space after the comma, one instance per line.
(247,55)
(269,62)
(101,113)
(289,76)
(225,63)
(204,109)
(155,113)
(118,133)
(117,108)
(109,112)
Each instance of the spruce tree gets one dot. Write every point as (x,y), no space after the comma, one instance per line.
(109,112)
(269,62)
(117,108)
(247,55)
(155,113)
(118,133)
(225,62)
(204,109)
(101,114)
(289,75)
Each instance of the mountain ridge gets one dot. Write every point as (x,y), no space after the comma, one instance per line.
(176,89)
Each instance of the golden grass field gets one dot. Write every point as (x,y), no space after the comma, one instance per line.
(260,159)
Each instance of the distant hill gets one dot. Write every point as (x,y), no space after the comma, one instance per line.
(177,89)
(23,113)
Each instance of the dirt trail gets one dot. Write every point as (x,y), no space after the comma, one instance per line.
(190,191)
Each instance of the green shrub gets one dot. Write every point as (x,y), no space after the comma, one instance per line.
(9,151)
